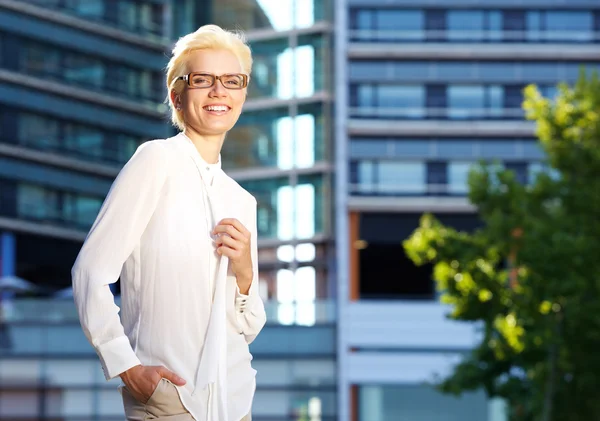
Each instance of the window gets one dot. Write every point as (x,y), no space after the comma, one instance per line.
(78,140)
(569,26)
(37,131)
(138,16)
(401,177)
(417,402)
(458,173)
(465,101)
(385,272)
(50,62)
(406,101)
(399,25)
(465,25)
(286,212)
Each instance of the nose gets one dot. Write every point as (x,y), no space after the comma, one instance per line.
(218,90)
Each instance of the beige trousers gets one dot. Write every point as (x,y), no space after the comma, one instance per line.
(163,405)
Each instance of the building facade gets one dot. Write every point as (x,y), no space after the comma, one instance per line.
(81,86)
(429,88)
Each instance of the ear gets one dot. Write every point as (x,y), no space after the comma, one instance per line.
(175,99)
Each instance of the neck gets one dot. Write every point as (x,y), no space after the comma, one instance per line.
(208,146)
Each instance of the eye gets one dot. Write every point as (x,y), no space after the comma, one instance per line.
(234,81)
(200,80)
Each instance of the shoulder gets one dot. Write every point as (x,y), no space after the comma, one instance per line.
(156,153)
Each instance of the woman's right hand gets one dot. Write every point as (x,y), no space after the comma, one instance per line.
(142,381)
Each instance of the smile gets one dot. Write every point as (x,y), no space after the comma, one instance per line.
(216,108)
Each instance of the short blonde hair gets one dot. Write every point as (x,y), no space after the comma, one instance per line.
(206,37)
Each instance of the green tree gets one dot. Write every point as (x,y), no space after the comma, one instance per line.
(530,276)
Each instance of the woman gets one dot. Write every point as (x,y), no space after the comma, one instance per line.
(182,237)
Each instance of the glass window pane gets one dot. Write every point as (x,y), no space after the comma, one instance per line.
(362,71)
(311,57)
(366,180)
(364,19)
(83,70)
(533,150)
(412,148)
(465,25)
(540,72)
(401,177)
(311,215)
(458,173)
(465,101)
(266,194)
(36,202)
(495,27)
(411,70)
(37,131)
(369,148)
(400,24)
(419,402)
(534,25)
(569,26)
(275,14)
(404,101)
(365,95)
(456,148)
(260,138)
(498,149)
(272,70)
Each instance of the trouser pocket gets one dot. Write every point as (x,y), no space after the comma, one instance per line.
(165,403)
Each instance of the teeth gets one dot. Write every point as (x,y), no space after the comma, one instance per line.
(216,108)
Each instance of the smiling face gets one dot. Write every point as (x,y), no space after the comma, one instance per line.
(211,111)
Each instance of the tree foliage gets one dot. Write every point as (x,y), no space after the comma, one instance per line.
(530,276)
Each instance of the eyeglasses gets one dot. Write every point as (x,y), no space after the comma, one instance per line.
(207,80)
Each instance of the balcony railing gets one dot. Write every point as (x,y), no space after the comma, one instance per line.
(474,36)
(430,113)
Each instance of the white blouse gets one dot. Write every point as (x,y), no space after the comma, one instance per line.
(180,305)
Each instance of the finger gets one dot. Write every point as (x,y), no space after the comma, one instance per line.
(237,224)
(229,230)
(229,242)
(169,375)
(229,252)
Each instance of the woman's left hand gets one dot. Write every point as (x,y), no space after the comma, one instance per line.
(233,241)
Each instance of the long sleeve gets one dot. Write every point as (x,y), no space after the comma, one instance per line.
(250,310)
(115,233)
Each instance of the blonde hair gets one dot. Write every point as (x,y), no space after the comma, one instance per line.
(204,38)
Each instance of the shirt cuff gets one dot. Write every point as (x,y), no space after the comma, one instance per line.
(117,356)
(243,302)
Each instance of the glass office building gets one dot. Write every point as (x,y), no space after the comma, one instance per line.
(430,87)
(81,86)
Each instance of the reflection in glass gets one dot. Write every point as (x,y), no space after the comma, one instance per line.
(279,15)
(465,101)
(36,202)
(272,76)
(285,213)
(305,211)
(305,140)
(402,177)
(270,138)
(305,252)
(465,25)
(285,253)
(458,173)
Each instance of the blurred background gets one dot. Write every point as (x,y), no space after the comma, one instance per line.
(362,115)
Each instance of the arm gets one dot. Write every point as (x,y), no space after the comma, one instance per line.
(115,233)
(250,310)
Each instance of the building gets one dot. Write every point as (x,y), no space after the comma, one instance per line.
(428,88)
(81,86)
